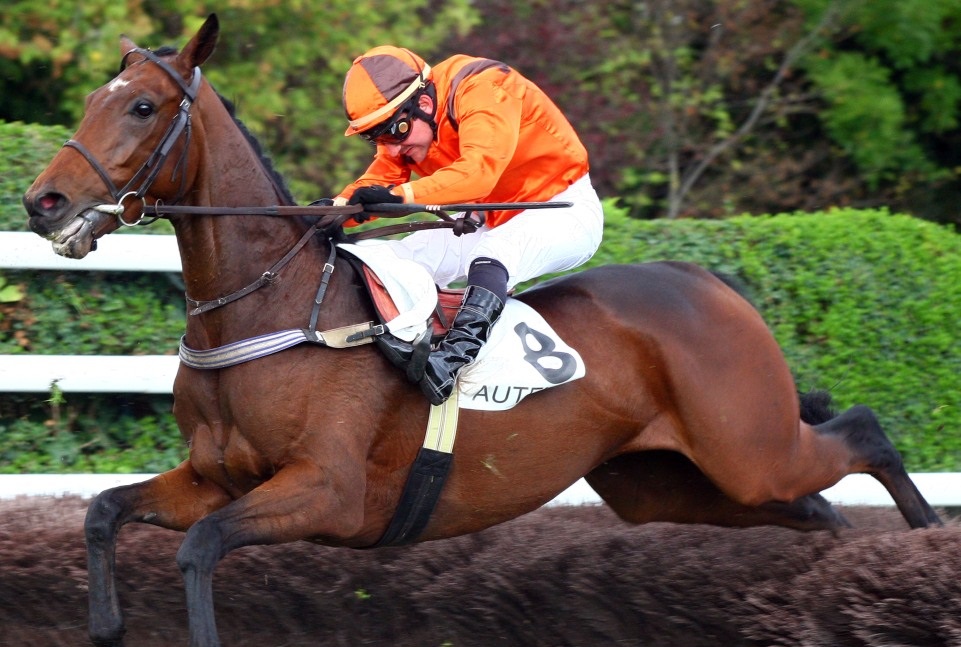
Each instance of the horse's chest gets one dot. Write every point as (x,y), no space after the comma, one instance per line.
(223,454)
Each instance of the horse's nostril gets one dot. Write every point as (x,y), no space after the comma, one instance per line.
(49,203)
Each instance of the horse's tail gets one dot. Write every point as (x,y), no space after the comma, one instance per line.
(816,407)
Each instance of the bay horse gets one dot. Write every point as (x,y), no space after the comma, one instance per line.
(688,412)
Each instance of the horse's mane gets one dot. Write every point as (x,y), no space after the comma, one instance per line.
(255,144)
(265,159)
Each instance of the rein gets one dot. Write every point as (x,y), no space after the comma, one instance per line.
(333,217)
(200,307)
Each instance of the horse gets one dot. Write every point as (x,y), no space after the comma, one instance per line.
(687,412)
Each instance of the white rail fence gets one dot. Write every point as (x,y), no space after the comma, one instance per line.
(89,373)
(155,374)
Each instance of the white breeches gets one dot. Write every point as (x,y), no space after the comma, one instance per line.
(532,243)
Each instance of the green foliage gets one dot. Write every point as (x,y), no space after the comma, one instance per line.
(88,433)
(866,307)
(9,293)
(53,54)
(911,34)
(92,313)
(290,90)
(282,62)
(867,116)
(889,81)
(656,89)
(866,111)
(939,93)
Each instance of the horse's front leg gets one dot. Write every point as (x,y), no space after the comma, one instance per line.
(174,499)
(301,501)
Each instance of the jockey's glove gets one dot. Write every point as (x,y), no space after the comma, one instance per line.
(374,194)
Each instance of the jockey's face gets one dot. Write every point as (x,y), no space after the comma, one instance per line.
(414,148)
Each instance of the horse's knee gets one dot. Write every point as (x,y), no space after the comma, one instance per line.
(811,512)
(104,517)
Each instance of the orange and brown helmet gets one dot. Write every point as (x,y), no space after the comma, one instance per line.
(379,82)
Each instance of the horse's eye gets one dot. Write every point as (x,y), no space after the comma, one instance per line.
(143,109)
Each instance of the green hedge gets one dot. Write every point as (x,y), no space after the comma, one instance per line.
(94,313)
(864,304)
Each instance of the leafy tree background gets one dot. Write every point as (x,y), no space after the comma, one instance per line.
(282,63)
(690,108)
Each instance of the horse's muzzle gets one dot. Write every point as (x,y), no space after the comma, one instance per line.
(73,230)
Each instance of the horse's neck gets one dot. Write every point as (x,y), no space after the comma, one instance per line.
(221,254)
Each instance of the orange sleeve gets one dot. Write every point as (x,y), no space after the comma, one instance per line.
(489,110)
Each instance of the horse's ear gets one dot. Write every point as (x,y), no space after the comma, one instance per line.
(202,45)
(126,46)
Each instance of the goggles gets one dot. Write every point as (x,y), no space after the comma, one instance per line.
(396,129)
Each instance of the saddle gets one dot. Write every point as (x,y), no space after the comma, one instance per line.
(409,357)
(448,303)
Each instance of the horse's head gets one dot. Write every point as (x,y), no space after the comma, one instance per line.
(132,148)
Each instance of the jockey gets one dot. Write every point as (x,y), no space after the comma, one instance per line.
(471,130)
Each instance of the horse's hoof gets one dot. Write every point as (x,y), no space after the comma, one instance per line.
(103,636)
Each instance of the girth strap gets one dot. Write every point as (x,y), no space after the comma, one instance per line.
(427,477)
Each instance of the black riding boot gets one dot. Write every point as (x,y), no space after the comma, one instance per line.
(479,310)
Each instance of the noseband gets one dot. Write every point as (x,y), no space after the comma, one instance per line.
(150,169)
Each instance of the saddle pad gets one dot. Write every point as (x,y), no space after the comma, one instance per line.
(523,355)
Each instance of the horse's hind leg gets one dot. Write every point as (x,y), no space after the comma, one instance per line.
(666,486)
(860,430)
(173,500)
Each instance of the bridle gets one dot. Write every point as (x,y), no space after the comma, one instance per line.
(150,169)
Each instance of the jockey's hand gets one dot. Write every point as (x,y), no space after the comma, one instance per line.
(374,194)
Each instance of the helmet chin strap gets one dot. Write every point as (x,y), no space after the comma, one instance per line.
(423,116)
(416,111)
